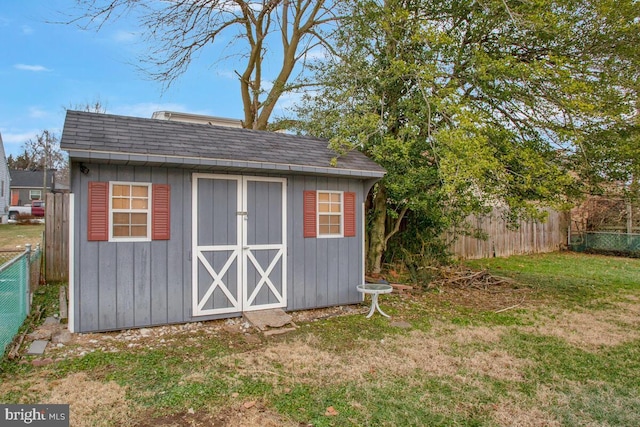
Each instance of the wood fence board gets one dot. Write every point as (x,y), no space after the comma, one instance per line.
(530,237)
(57,237)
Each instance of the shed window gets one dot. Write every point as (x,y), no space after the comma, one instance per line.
(130,211)
(329,214)
(35,194)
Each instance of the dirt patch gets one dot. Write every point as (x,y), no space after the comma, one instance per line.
(246,414)
(92,403)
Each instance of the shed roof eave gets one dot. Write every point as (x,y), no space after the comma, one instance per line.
(182,161)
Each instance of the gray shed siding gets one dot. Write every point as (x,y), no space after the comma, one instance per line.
(125,285)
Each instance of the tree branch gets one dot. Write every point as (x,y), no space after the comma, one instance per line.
(396,226)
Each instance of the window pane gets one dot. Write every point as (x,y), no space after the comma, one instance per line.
(121,218)
(139,218)
(334,229)
(120,204)
(323,229)
(121,231)
(335,208)
(323,207)
(335,197)
(140,191)
(323,197)
(139,231)
(139,203)
(334,219)
(120,190)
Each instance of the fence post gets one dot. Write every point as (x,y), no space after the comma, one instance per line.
(27,278)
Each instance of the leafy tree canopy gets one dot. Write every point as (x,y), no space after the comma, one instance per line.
(473,104)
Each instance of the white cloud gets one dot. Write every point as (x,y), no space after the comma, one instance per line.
(27,30)
(287,101)
(315,54)
(127,37)
(36,68)
(17,139)
(227,74)
(233,7)
(37,113)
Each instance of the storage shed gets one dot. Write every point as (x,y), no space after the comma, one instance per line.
(175,222)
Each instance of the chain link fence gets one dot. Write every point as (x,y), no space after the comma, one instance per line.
(18,278)
(608,243)
(6,256)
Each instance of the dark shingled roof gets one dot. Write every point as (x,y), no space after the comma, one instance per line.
(132,140)
(29,179)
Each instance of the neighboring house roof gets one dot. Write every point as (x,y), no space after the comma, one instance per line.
(30,179)
(132,140)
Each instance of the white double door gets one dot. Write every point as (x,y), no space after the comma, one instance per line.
(239,243)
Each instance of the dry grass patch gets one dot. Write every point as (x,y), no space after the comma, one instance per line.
(31,388)
(518,410)
(509,413)
(477,334)
(433,355)
(392,357)
(593,329)
(92,403)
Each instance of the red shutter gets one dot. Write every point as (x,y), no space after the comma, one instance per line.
(161,212)
(309,214)
(98,225)
(349,214)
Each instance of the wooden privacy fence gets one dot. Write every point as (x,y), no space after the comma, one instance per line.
(57,237)
(530,237)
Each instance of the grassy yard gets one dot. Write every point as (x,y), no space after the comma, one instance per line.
(13,237)
(557,345)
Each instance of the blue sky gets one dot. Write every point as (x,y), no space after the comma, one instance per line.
(48,67)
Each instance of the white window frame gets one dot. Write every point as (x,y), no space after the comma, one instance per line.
(319,214)
(32,192)
(148,211)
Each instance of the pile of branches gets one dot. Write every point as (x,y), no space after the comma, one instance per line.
(464,278)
